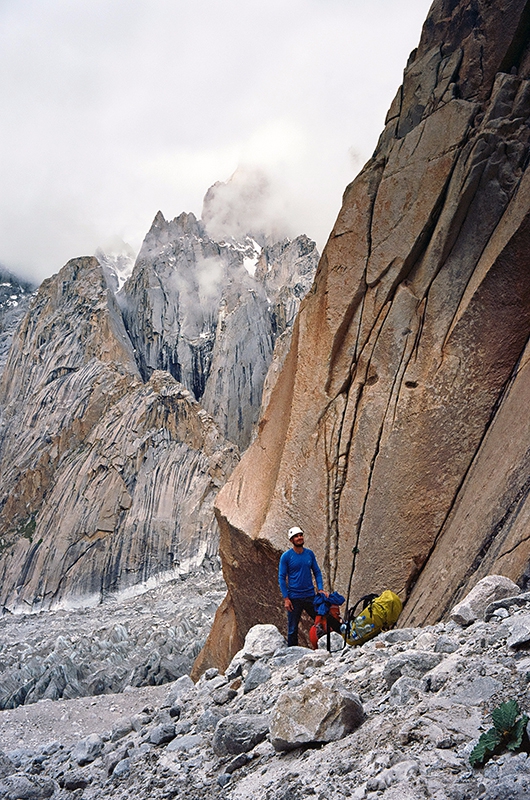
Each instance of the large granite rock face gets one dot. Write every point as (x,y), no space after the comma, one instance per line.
(399,423)
(107,482)
(209,313)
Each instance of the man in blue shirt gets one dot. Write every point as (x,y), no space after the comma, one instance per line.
(295,575)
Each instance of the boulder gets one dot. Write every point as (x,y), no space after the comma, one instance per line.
(486,591)
(314,714)
(262,641)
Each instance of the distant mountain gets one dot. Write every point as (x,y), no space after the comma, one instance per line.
(124,401)
(210,312)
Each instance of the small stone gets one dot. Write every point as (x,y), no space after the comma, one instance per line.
(211,673)
(122,768)
(238,762)
(223,695)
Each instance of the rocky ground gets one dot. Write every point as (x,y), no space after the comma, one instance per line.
(406,709)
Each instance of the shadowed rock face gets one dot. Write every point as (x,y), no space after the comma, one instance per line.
(391,426)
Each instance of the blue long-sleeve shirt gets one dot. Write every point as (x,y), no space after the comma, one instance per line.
(294,574)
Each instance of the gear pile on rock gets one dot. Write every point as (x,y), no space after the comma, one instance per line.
(397,717)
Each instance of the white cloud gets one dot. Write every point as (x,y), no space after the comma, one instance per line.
(113,109)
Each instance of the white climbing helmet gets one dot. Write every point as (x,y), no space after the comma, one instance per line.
(293,531)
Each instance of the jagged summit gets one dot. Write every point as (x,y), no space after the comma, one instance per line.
(209,312)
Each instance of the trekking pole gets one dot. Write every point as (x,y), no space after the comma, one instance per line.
(355,550)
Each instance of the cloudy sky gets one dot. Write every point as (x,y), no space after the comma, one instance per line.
(114,109)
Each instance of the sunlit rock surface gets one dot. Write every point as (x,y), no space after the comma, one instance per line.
(399,423)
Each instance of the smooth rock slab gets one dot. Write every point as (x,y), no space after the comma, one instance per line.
(316,713)
(486,591)
(239,733)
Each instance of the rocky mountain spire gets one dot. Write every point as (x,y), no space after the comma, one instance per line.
(107,482)
(209,313)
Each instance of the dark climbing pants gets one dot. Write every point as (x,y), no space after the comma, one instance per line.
(293,617)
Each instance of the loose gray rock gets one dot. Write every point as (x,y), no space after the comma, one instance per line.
(258,674)
(403,690)
(445,644)
(6,766)
(88,749)
(122,768)
(185,743)
(162,734)
(519,631)
(75,779)
(413,663)
(237,762)
(290,656)
(518,601)
(223,695)
(179,688)
(239,733)
(20,787)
